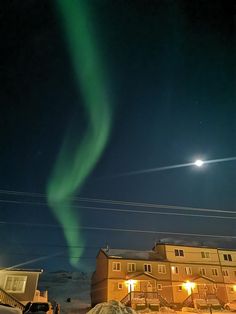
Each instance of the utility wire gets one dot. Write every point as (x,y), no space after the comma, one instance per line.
(122,210)
(119,202)
(29,224)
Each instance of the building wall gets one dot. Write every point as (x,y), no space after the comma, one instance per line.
(99,292)
(99,287)
(30,287)
(215,268)
(191,254)
(115,292)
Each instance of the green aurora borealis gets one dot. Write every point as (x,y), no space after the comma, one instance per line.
(75,162)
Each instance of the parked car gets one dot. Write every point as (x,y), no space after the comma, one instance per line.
(39,308)
(7,309)
(230,306)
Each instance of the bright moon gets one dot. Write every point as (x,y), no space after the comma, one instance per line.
(198,163)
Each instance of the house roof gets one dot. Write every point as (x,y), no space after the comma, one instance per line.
(132,254)
(23,270)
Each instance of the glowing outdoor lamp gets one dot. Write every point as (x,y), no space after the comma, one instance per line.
(131,284)
(189,286)
(234,287)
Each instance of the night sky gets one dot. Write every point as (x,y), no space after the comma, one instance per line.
(170,77)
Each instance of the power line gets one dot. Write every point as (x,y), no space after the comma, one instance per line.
(122,210)
(28,224)
(119,202)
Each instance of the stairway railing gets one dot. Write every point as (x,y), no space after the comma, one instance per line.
(144,297)
(6,298)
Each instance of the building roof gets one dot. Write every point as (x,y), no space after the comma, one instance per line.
(194,246)
(23,270)
(132,254)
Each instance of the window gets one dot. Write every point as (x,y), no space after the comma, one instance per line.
(188,270)
(205,254)
(131,267)
(120,285)
(227,257)
(147,268)
(179,252)
(174,269)
(225,273)
(116,266)
(162,269)
(180,288)
(159,286)
(203,271)
(214,272)
(15,284)
(231,290)
(235,273)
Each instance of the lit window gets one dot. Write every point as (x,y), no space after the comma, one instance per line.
(162,269)
(203,271)
(174,269)
(205,254)
(116,266)
(179,252)
(120,285)
(131,267)
(225,273)
(227,257)
(188,270)
(147,268)
(15,284)
(214,272)
(159,286)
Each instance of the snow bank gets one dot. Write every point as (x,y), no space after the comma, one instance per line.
(111,307)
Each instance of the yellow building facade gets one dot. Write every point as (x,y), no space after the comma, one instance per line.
(168,274)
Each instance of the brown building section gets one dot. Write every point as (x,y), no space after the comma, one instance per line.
(167,274)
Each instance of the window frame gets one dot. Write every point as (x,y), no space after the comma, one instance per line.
(214,271)
(120,285)
(188,270)
(205,254)
(131,269)
(179,288)
(227,257)
(115,268)
(202,271)
(225,272)
(173,270)
(179,252)
(147,266)
(161,267)
(15,277)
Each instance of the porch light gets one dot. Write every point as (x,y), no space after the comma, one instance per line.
(234,287)
(189,286)
(131,284)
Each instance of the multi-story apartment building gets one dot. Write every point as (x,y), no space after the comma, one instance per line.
(169,271)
